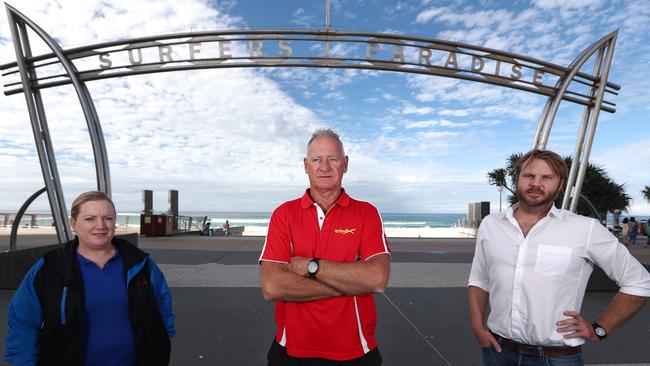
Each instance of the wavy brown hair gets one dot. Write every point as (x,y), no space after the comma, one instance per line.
(553,160)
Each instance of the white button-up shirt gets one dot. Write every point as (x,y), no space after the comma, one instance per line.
(532,280)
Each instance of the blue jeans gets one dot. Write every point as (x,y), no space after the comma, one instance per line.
(508,358)
(633,239)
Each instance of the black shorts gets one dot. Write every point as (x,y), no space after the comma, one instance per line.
(278,356)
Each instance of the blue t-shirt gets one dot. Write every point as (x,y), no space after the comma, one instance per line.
(109,336)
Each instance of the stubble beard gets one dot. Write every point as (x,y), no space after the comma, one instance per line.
(539,205)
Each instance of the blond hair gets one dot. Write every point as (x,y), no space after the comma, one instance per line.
(87,197)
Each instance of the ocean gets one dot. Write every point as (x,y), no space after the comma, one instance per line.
(261,219)
(391,220)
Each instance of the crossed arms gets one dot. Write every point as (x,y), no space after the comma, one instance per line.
(290,282)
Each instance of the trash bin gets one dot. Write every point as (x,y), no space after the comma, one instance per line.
(146,224)
(156,225)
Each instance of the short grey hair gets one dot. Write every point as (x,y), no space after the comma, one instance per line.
(326,133)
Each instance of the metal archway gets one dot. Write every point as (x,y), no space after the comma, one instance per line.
(296,48)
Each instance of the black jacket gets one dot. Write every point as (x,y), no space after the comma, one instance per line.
(59,287)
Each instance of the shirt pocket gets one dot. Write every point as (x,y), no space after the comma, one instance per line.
(552,260)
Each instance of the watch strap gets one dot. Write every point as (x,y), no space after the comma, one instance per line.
(599,329)
(313,274)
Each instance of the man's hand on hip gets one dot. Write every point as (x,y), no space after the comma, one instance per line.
(576,327)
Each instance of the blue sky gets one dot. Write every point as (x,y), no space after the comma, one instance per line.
(234,139)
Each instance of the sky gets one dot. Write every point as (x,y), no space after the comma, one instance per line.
(234,139)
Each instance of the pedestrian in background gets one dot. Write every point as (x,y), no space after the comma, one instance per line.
(634,230)
(626,231)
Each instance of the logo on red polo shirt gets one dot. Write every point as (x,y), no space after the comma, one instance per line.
(345,231)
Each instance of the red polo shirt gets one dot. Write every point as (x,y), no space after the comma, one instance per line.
(337,328)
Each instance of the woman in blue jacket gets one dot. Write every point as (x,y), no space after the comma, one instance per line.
(97,300)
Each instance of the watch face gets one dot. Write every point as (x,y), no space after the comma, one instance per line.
(312,267)
(600,332)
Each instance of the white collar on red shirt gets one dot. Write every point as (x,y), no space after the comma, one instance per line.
(306,201)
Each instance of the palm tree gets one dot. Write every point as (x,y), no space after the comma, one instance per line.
(646,193)
(599,191)
(497,177)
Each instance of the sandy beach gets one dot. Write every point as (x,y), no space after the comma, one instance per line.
(425,232)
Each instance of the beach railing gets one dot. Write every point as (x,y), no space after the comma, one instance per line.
(45,220)
(189,223)
(30,220)
(165,224)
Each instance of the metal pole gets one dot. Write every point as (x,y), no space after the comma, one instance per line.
(327,15)
(500,197)
(540,125)
(571,178)
(577,155)
(594,121)
(40,131)
(19,216)
(563,84)
(90,114)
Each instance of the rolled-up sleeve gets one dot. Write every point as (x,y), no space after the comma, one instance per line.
(616,261)
(478,275)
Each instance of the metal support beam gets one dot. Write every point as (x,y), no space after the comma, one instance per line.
(548,115)
(593,121)
(18,23)
(327,15)
(27,66)
(87,105)
(19,216)
(40,131)
(578,153)
(605,50)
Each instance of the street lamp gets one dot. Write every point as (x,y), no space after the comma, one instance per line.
(500,187)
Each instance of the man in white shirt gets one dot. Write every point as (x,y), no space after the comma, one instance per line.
(532,264)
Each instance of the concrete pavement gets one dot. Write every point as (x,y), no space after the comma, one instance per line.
(223,320)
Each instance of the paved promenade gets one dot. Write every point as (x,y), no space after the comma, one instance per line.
(222,318)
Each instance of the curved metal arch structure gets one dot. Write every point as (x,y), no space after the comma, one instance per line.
(297,48)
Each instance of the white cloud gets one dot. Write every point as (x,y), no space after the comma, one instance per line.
(567,4)
(434,123)
(334,96)
(301,18)
(456,113)
(426,15)
(628,164)
(203,130)
(411,109)
(437,134)
(234,138)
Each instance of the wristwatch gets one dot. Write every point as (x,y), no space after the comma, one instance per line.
(601,333)
(312,268)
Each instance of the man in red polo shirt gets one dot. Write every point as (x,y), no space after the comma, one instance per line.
(324,256)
